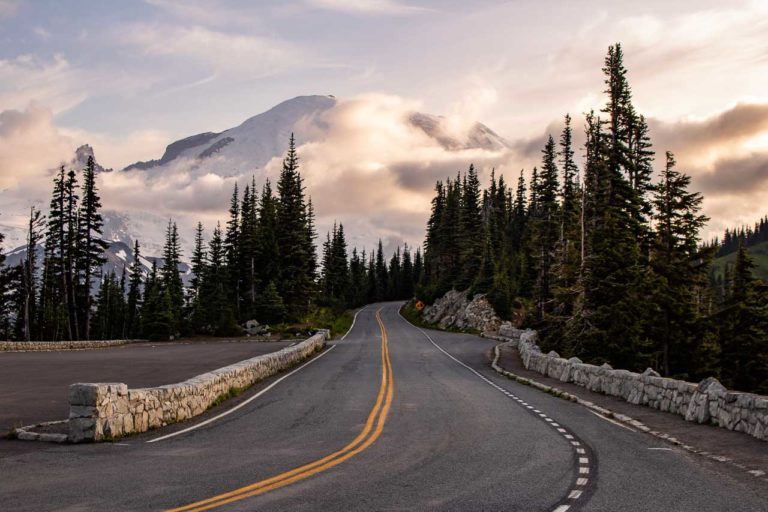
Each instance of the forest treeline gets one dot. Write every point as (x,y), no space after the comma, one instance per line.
(604,258)
(747,236)
(262,264)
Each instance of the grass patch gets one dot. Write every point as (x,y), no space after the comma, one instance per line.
(337,322)
(231,393)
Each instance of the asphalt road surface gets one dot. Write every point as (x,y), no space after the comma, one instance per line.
(390,418)
(34,386)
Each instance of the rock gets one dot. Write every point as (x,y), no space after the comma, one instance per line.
(507,330)
(455,309)
(650,372)
(254,328)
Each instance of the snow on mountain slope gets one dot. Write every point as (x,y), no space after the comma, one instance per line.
(257,140)
(369,162)
(119,256)
(246,147)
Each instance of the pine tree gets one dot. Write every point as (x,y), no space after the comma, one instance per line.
(90,247)
(217,314)
(70,252)
(295,237)
(27,312)
(407,276)
(680,268)
(471,231)
(381,277)
(171,278)
(198,261)
(743,330)
(133,304)
(268,261)
(156,315)
(232,239)
(52,310)
(545,228)
(356,295)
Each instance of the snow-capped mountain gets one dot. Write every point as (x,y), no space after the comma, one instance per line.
(119,256)
(246,147)
(258,139)
(242,151)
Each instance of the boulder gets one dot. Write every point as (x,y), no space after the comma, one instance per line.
(254,328)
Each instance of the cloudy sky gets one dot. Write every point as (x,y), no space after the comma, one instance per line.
(129,77)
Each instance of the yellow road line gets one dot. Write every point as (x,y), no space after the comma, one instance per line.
(367,437)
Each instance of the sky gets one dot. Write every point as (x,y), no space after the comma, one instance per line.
(129,77)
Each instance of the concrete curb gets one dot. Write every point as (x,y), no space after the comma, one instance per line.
(758,473)
(24,434)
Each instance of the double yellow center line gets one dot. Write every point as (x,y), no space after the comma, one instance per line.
(371,431)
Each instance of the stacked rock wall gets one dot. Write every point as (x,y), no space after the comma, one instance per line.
(706,402)
(110,410)
(47,346)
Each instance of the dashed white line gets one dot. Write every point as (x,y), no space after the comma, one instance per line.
(583,461)
(574,495)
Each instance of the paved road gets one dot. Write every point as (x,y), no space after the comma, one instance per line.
(34,385)
(397,421)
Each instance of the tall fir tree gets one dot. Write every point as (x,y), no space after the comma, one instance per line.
(91,246)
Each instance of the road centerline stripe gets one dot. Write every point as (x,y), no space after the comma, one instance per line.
(367,437)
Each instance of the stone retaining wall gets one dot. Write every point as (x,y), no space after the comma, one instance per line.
(48,346)
(706,402)
(110,410)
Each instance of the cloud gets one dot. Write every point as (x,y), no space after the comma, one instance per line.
(8,8)
(742,176)
(30,143)
(375,171)
(246,54)
(389,7)
(51,82)
(703,141)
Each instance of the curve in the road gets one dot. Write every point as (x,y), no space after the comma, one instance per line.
(367,437)
(586,463)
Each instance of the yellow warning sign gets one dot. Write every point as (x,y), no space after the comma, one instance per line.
(419,305)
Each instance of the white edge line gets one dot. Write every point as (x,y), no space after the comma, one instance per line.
(609,420)
(241,404)
(354,319)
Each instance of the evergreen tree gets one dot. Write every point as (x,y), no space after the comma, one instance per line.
(232,260)
(743,330)
(28,286)
(268,261)
(216,309)
(545,228)
(156,309)
(171,278)
(471,231)
(90,247)
(407,275)
(133,304)
(380,275)
(679,268)
(52,309)
(294,237)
